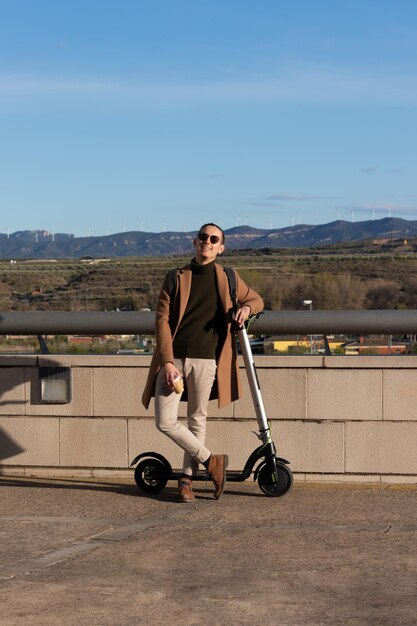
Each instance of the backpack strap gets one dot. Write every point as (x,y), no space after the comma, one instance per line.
(231,277)
(172,282)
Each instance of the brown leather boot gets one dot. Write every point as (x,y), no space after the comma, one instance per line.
(185,490)
(217,470)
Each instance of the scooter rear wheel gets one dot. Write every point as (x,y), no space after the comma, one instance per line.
(271,488)
(146,475)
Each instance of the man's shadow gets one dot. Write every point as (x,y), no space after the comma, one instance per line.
(8,446)
(69,484)
(13,377)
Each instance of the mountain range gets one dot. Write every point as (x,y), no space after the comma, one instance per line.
(41,244)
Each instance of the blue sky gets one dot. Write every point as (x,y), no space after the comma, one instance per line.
(161,115)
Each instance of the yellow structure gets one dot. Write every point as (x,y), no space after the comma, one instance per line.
(284,344)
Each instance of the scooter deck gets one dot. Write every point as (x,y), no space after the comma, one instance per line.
(231,476)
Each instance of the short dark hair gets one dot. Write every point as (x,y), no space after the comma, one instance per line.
(216,226)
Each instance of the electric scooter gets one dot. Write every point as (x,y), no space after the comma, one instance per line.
(274,477)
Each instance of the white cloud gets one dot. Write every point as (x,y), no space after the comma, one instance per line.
(384,209)
(299,84)
(297,196)
(285,197)
(35,86)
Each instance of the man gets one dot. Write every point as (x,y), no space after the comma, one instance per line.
(194,342)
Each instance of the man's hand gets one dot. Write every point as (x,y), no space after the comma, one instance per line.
(171,372)
(241,315)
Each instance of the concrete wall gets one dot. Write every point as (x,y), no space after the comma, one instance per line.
(334,418)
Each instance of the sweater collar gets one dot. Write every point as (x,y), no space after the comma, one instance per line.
(196,268)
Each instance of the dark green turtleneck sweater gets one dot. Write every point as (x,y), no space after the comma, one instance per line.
(198,334)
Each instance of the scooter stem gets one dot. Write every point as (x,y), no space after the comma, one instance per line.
(265,434)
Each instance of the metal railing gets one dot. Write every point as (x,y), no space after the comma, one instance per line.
(269,323)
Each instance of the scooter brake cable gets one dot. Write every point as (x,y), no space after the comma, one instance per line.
(251,320)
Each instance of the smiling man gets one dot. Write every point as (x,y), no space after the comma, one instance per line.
(194,343)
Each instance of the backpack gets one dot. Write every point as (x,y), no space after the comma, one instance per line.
(231,277)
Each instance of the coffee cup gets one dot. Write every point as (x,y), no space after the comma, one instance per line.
(178,384)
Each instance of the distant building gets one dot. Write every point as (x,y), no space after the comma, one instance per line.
(85,338)
(375,346)
(292,343)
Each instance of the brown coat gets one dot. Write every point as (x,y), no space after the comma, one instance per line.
(228,388)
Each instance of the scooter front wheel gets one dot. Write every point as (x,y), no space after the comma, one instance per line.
(271,488)
(146,475)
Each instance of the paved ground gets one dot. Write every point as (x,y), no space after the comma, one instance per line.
(98,552)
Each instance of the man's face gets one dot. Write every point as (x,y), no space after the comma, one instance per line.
(206,251)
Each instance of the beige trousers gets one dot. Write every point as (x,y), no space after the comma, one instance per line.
(199,376)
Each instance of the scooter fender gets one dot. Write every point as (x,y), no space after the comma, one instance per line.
(152,455)
(279,461)
(257,454)
(282,461)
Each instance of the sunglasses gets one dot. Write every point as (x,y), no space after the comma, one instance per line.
(205,236)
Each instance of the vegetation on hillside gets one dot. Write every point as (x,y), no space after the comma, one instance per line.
(348,276)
